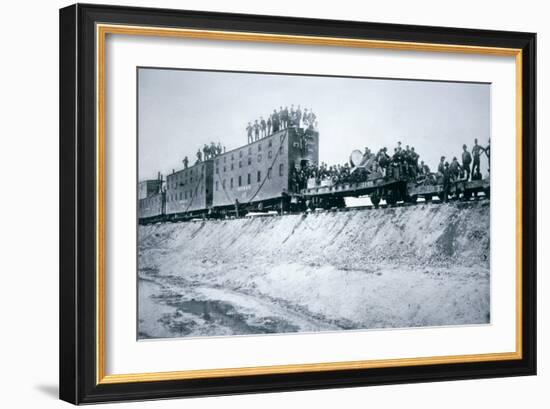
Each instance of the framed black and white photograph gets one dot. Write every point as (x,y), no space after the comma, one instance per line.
(371,237)
(257,203)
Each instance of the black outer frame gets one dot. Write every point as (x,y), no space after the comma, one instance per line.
(78,211)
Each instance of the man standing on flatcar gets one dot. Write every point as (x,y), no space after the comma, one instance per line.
(425,168)
(249,132)
(406,161)
(383,159)
(466,160)
(414,161)
(454,168)
(446,182)
(441,166)
(476,152)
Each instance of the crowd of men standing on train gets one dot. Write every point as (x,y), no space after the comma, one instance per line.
(207,152)
(405,161)
(278,120)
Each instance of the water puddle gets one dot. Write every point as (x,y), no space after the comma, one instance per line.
(163,314)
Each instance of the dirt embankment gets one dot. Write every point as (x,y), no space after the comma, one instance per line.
(435,235)
(403,267)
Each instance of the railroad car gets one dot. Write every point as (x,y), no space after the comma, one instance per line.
(257,176)
(392,188)
(189,191)
(152,208)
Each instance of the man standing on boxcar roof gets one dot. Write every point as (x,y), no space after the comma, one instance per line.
(199,156)
(312,118)
(298,116)
(185,162)
(269,125)
(285,118)
(249,132)
(256,130)
(466,160)
(275,121)
(281,118)
(263,126)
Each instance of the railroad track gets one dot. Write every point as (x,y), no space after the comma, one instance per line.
(345,209)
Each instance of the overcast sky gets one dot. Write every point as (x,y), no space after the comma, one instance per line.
(180,111)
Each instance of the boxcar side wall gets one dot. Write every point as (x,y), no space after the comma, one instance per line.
(254,172)
(190,189)
(151,206)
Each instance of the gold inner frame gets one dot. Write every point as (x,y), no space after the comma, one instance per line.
(101,33)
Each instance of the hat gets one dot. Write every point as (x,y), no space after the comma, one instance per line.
(443,158)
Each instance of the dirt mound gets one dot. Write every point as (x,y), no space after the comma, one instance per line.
(414,266)
(433,234)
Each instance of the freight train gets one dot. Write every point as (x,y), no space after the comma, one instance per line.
(257,177)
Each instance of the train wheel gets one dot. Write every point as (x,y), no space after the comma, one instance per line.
(467,195)
(412,199)
(339,202)
(282,207)
(428,199)
(487,193)
(375,199)
(391,198)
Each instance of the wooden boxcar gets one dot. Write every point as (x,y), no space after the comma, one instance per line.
(257,175)
(151,208)
(189,191)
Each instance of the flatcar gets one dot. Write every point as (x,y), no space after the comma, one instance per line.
(392,189)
